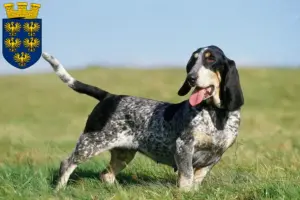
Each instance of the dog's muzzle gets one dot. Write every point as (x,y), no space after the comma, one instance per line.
(192,79)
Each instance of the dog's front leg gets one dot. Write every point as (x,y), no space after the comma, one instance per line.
(183,159)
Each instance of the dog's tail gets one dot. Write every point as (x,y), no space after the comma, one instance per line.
(76,85)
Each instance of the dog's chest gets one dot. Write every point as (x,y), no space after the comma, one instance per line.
(207,137)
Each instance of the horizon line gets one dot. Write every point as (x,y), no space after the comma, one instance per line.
(15,71)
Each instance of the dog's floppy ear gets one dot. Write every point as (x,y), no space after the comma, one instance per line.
(185,88)
(232,92)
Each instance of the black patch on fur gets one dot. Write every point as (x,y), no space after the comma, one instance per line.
(171,110)
(129,121)
(102,113)
(219,117)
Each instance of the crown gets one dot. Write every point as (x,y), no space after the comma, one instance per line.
(22,11)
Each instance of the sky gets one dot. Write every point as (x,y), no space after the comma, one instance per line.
(148,33)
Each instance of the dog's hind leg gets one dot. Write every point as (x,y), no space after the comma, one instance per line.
(66,169)
(120,158)
(88,145)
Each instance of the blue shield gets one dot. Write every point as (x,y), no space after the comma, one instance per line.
(22,41)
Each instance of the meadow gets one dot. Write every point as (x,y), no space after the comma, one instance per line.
(41,119)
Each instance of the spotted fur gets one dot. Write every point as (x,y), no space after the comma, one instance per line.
(189,139)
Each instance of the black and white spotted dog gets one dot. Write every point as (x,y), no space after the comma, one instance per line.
(190,136)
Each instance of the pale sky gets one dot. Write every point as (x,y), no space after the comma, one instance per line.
(158,32)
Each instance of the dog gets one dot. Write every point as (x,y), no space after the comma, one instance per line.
(191,136)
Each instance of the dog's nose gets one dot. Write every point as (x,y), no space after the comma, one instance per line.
(192,78)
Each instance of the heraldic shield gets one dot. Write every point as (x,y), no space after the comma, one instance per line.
(22,41)
(22,37)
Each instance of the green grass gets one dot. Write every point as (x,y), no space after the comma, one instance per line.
(41,119)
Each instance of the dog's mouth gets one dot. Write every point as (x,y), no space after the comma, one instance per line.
(200,94)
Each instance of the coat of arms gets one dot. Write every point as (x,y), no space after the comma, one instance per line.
(22,35)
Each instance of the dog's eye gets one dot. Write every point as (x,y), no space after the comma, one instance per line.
(209,57)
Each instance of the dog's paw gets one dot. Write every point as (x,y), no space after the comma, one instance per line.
(108,177)
(59,188)
(186,189)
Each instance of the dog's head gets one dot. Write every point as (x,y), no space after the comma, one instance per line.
(215,79)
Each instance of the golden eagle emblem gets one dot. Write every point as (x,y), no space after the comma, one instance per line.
(12,28)
(12,44)
(22,58)
(31,28)
(31,43)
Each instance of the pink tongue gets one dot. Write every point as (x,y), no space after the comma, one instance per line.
(197,97)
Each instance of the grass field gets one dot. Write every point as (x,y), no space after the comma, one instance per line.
(41,119)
